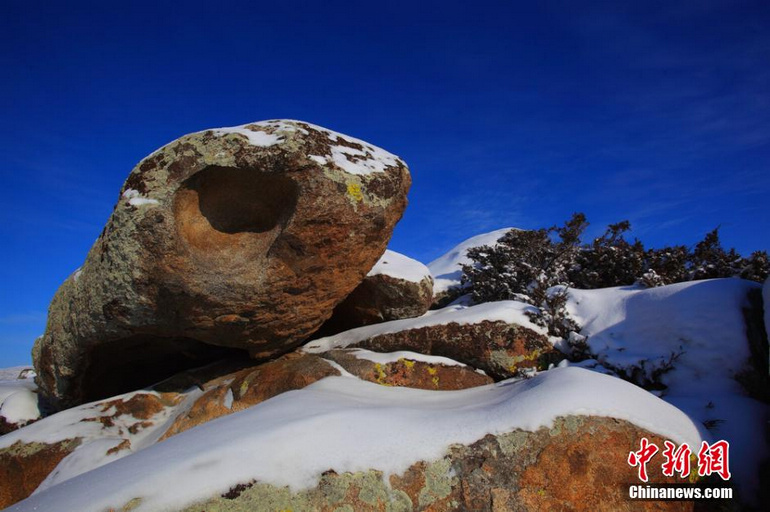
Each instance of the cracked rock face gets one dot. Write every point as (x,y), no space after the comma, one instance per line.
(235,239)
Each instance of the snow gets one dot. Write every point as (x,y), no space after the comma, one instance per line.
(398,266)
(509,311)
(703,322)
(345,424)
(228,402)
(137,199)
(20,406)
(255,136)
(352,155)
(446,269)
(96,438)
(392,357)
(18,397)
(12,373)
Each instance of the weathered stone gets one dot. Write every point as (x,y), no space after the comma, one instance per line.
(409,372)
(26,459)
(241,238)
(24,465)
(397,287)
(579,464)
(251,386)
(500,349)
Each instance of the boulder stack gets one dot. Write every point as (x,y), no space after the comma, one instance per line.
(233,239)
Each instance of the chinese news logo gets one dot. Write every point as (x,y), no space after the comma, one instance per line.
(712,459)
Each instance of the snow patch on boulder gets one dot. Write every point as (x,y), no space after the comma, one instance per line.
(398,266)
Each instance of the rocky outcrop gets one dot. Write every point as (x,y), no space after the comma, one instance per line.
(251,386)
(24,465)
(397,287)
(499,348)
(407,369)
(105,431)
(578,464)
(239,238)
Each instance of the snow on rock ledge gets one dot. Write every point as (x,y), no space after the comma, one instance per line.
(348,425)
(398,266)
(496,337)
(508,311)
(397,287)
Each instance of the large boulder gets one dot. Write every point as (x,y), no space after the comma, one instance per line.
(397,287)
(237,238)
(575,465)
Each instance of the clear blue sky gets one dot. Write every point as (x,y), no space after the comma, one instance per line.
(508,113)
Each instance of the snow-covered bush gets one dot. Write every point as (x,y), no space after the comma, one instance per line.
(524,265)
(527,265)
(609,260)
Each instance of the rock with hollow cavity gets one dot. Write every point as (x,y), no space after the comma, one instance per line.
(240,238)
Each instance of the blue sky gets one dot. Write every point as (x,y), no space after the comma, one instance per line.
(508,114)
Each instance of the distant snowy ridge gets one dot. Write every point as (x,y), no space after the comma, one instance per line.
(447,269)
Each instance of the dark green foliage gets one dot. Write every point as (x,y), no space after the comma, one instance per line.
(527,265)
(609,261)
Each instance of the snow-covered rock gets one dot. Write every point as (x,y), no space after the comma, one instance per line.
(342,424)
(244,238)
(496,337)
(397,287)
(18,398)
(687,341)
(447,269)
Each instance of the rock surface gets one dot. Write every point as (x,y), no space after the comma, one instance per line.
(93,434)
(397,287)
(578,464)
(238,238)
(408,369)
(250,386)
(23,466)
(121,425)
(499,348)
